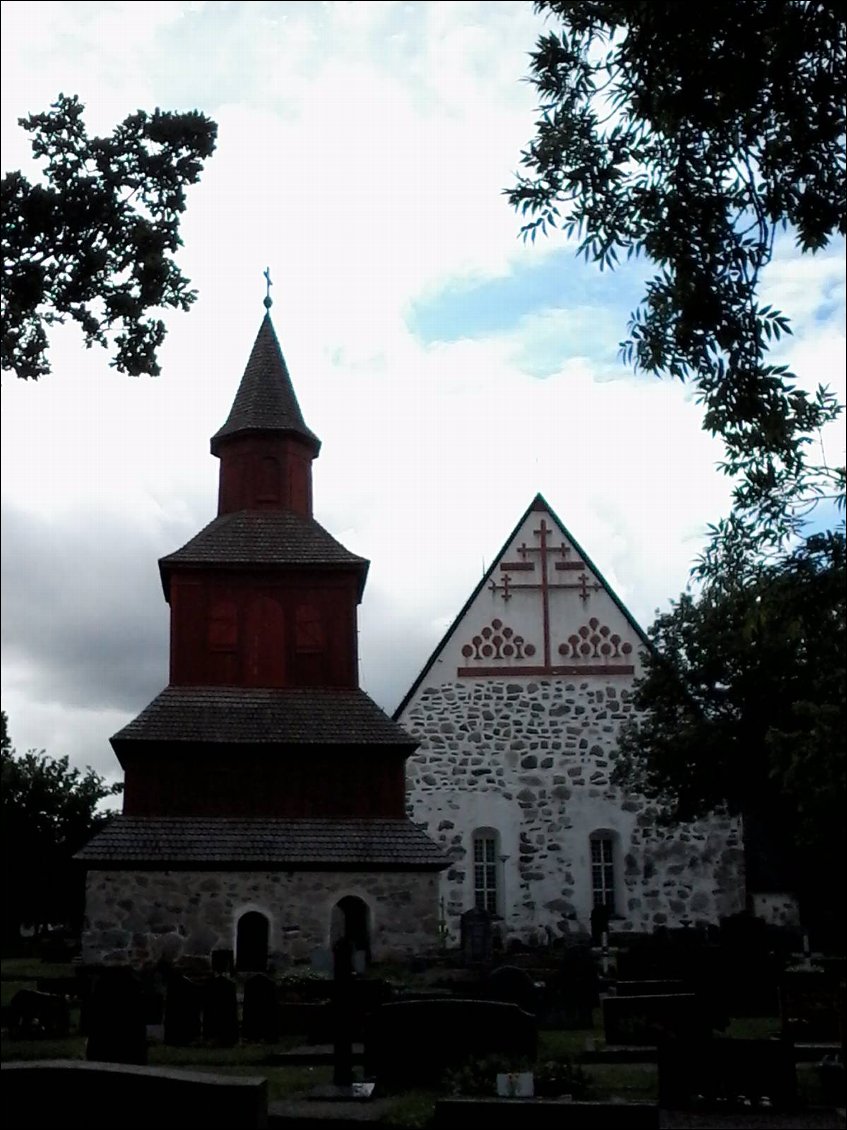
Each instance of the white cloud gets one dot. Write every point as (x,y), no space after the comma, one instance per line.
(362,153)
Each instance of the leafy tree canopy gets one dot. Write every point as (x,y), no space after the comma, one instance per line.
(49,810)
(743,706)
(94,242)
(689,134)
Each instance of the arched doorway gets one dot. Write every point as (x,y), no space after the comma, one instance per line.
(251,942)
(351,920)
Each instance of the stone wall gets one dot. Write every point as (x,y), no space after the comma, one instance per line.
(137,917)
(531,760)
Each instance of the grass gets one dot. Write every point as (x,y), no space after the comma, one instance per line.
(753,1027)
(564,1044)
(283,1082)
(632,1082)
(71,1047)
(33,968)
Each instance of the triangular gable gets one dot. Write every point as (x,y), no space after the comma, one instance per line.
(543,609)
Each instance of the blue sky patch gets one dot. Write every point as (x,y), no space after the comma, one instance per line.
(567,306)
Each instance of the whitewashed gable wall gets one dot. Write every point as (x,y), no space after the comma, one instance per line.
(518,716)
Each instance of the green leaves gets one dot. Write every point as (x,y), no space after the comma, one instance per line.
(94,242)
(49,811)
(689,134)
(743,700)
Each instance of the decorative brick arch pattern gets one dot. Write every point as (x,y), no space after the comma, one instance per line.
(594,641)
(498,641)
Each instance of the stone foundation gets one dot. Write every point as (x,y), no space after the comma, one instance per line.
(137,917)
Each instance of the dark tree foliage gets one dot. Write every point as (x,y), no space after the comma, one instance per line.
(689,134)
(744,702)
(95,241)
(49,811)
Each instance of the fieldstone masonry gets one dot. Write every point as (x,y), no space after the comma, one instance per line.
(532,760)
(136,917)
(518,714)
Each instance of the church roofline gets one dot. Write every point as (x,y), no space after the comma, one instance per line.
(538,503)
(263,539)
(262,843)
(338,717)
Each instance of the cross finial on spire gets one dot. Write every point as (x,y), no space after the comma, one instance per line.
(268,301)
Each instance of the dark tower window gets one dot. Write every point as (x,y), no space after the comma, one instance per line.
(265,644)
(223,626)
(251,942)
(309,630)
(268,480)
(309,645)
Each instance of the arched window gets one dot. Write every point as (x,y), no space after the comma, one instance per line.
(603,845)
(351,921)
(486,870)
(251,942)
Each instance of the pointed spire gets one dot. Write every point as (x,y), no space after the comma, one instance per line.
(265,401)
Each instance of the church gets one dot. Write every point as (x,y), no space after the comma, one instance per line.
(264,791)
(517,715)
(271,808)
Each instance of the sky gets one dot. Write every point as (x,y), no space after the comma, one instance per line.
(451,370)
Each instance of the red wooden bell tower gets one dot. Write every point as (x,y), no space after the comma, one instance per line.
(263,714)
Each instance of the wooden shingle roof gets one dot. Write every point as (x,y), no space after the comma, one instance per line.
(265,401)
(254,844)
(264,537)
(286,716)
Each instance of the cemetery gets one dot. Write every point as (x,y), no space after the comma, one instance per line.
(505,1040)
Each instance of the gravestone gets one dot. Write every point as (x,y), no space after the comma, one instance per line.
(183,1011)
(116,1019)
(647,1021)
(411,1042)
(260,1019)
(220,1012)
(641,961)
(579,988)
(59,986)
(476,936)
(223,962)
(342,1058)
(600,917)
(513,986)
(727,1075)
(749,971)
(34,1015)
(809,1007)
(75,1095)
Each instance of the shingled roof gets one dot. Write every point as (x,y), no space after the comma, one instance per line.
(265,400)
(263,537)
(285,716)
(196,841)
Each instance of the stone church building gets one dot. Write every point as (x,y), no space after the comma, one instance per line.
(517,715)
(264,794)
